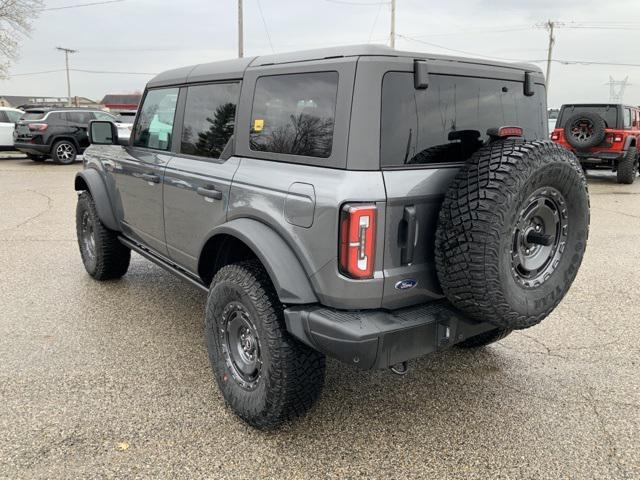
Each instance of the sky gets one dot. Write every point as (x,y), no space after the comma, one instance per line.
(150,36)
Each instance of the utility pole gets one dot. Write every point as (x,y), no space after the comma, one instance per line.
(393,24)
(552,40)
(240,31)
(67,51)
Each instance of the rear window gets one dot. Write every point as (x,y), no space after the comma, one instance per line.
(33,116)
(608,112)
(82,118)
(448,121)
(294,114)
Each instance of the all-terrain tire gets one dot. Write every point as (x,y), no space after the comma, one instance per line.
(628,167)
(290,375)
(585,130)
(103,256)
(485,338)
(480,231)
(64,152)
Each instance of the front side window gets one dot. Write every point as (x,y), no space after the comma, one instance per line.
(209,119)
(104,116)
(155,122)
(448,122)
(294,114)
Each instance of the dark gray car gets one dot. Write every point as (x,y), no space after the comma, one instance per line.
(358,202)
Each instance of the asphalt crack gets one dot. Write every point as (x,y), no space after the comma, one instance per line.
(33,217)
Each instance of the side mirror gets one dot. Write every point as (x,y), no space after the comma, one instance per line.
(102,132)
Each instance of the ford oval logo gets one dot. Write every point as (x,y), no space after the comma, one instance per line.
(406,284)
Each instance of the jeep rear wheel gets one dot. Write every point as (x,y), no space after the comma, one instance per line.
(103,256)
(512,232)
(628,167)
(64,152)
(265,375)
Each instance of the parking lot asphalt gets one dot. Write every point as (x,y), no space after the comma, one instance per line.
(111,380)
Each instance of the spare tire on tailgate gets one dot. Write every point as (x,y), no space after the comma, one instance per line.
(512,232)
(585,130)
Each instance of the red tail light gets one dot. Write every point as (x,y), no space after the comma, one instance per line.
(555,136)
(505,132)
(617,138)
(357,240)
(38,127)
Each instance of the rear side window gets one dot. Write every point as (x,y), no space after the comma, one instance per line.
(155,122)
(82,118)
(209,119)
(627,118)
(448,121)
(294,114)
(103,116)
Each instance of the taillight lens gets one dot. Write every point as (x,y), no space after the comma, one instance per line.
(555,136)
(357,240)
(38,127)
(617,138)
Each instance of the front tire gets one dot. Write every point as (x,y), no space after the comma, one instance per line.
(64,152)
(628,167)
(265,375)
(103,256)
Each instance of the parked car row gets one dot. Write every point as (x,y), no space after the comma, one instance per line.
(59,133)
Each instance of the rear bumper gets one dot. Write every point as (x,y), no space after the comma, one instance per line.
(600,157)
(379,338)
(32,148)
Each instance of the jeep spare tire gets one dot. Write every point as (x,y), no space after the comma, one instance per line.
(512,232)
(585,130)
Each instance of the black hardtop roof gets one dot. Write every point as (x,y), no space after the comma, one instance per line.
(598,105)
(234,69)
(56,109)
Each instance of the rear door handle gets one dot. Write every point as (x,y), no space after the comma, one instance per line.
(210,193)
(149,177)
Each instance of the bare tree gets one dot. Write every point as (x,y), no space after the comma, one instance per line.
(16,17)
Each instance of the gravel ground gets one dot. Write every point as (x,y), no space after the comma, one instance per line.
(111,380)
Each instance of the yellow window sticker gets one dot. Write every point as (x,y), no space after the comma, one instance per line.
(258,124)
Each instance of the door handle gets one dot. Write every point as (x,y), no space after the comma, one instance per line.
(149,177)
(210,193)
(409,217)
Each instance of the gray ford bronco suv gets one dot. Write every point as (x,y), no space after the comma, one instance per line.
(363,203)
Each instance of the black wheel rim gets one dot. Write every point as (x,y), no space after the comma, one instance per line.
(539,237)
(582,130)
(241,345)
(87,238)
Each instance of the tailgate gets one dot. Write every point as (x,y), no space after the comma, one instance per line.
(413,204)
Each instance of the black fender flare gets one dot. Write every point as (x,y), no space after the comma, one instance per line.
(287,274)
(91,181)
(630,139)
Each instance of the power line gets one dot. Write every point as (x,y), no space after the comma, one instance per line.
(80,5)
(465,52)
(264,22)
(358,4)
(35,73)
(375,21)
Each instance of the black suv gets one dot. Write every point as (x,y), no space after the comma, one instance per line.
(60,133)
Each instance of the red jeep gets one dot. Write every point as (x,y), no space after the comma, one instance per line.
(602,136)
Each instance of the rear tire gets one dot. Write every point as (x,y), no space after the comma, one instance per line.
(628,167)
(64,152)
(103,256)
(485,338)
(512,232)
(265,375)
